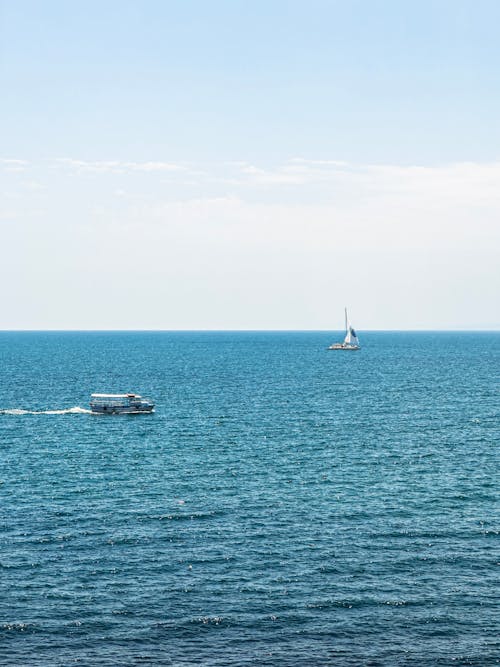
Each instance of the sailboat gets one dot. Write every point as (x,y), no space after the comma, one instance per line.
(351,341)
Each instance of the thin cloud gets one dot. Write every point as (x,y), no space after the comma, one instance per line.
(296,171)
(119,167)
(11,164)
(13,161)
(465,181)
(328,163)
(313,181)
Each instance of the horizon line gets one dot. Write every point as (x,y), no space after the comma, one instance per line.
(76,330)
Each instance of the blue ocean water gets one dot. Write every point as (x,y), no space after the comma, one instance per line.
(284,505)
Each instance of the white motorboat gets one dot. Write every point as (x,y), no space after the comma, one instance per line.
(125,404)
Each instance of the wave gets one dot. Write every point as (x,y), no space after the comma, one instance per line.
(66,411)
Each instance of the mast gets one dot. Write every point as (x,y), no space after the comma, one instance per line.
(345,309)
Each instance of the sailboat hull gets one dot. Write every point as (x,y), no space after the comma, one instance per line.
(341,346)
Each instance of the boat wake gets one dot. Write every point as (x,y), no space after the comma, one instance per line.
(67,411)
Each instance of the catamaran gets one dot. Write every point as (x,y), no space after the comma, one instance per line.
(351,341)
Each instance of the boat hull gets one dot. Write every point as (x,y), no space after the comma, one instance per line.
(346,348)
(121,410)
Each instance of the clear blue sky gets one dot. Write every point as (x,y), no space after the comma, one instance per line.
(289,120)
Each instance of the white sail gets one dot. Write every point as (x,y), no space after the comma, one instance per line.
(351,337)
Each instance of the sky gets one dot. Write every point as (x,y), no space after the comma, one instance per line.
(183,164)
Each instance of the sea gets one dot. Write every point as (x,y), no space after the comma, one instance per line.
(284,505)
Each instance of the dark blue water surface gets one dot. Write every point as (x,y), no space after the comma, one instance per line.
(285,505)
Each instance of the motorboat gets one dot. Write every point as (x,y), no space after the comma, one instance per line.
(124,404)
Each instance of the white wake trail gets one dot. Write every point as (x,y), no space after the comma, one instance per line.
(67,411)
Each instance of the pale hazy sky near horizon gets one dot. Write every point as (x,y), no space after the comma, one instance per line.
(250,165)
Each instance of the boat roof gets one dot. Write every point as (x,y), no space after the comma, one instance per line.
(114,396)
